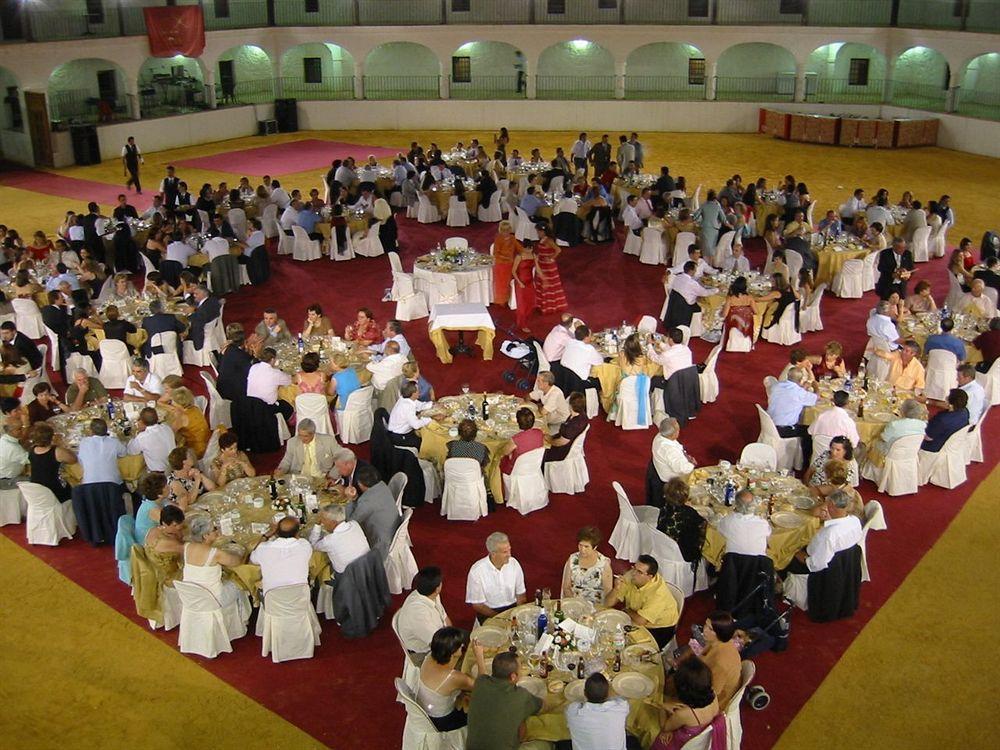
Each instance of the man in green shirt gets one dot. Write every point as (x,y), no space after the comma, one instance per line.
(85,391)
(499,707)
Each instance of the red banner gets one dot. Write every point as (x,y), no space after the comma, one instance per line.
(175,30)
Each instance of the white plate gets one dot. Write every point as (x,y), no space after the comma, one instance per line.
(636,651)
(490,636)
(534,685)
(612,618)
(526,613)
(576,607)
(804,502)
(786,519)
(574,691)
(632,685)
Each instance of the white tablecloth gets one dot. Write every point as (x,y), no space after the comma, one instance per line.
(461,315)
(474,284)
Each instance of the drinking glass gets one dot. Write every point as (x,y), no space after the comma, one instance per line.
(465,389)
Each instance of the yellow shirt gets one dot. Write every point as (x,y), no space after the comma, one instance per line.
(652,602)
(309,459)
(907,378)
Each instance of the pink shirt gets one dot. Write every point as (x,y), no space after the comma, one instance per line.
(835,422)
(555,342)
(524,441)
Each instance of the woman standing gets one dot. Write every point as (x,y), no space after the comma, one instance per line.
(523,271)
(388,232)
(548,284)
(506,248)
(45,458)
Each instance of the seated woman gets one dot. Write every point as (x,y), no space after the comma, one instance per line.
(40,246)
(23,287)
(467,446)
(778,264)
(831,363)
(231,463)
(311,379)
(957,268)
(364,330)
(772,232)
(344,379)
(317,324)
(12,362)
(921,301)
(121,289)
(570,430)
(529,438)
(186,481)
(631,358)
(837,475)
(92,276)
(685,223)
(155,496)
(722,655)
(441,683)
(840,450)
(696,707)
(782,295)
(738,311)
(680,521)
(165,544)
(45,457)
(117,329)
(587,573)
(425,391)
(807,285)
(203,562)
(860,227)
(188,422)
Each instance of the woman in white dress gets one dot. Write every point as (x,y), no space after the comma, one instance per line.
(587,572)
(203,564)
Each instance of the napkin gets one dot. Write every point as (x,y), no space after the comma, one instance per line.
(577,630)
(544,644)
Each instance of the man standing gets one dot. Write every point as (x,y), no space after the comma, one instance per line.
(170,189)
(579,152)
(600,156)
(131,159)
(895,264)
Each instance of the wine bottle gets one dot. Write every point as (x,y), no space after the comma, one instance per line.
(579,667)
(486,410)
(617,667)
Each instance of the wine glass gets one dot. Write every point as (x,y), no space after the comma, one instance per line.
(465,389)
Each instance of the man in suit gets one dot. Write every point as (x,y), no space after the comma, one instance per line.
(914,220)
(91,238)
(234,364)
(347,465)
(205,310)
(56,318)
(895,264)
(375,510)
(24,346)
(159,322)
(169,188)
(308,453)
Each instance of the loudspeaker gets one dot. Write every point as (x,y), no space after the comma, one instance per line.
(286,112)
(86,145)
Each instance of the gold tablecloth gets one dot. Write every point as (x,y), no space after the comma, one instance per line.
(442,196)
(131,467)
(881,406)
(610,376)
(711,307)
(831,261)
(761,212)
(549,724)
(920,327)
(781,545)
(434,447)
(484,339)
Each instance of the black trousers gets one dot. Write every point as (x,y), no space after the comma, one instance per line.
(133,177)
(662,636)
(409,440)
(283,408)
(797,566)
(802,432)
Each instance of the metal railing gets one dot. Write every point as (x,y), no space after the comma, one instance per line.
(978,103)
(330,88)
(764,89)
(74,106)
(245,92)
(165,100)
(514,86)
(666,12)
(400,12)
(918,96)
(50,25)
(841,91)
(675,88)
(849,13)
(575,87)
(402,87)
(328,13)
(243,14)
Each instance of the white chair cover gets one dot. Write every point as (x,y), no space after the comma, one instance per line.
(28,318)
(458,213)
(681,247)
(647,324)
(974,440)
(53,348)
(809,318)
(335,248)
(525,228)
(400,567)
(411,670)
(410,304)
(115,365)
(941,374)
(304,248)
(369,245)
(10,506)
(627,536)
(673,567)
(632,392)
(48,521)
(218,407)
(652,250)
(788,450)
(355,420)
(759,454)
(397,486)
(491,213)
(268,215)
(456,243)
(167,363)
(784,333)
(899,474)
(874,521)
(237,219)
(314,406)
(286,242)
(737,342)
(287,624)
(77,361)
(734,725)
(939,242)
(206,629)
(946,468)
(570,475)
(432,481)
(633,244)
(848,281)
(990,381)
(427,213)
(921,244)
(723,248)
(869,275)
(524,488)
(708,381)
(464,497)
(418,732)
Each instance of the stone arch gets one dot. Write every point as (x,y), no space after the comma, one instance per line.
(335,69)
(494,70)
(88,90)
(577,69)
(755,71)
(172,86)
(402,70)
(979,87)
(920,79)
(846,72)
(250,78)
(663,70)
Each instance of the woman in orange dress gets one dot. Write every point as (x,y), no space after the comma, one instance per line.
(548,284)
(524,286)
(505,248)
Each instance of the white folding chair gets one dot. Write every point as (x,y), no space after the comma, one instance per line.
(115,365)
(53,348)
(464,497)
(524,488)
(314,406)
(723,248)
(946,468)
(869,275)
(167,363)
(304,248)
(570,475)
(268,220)
(28,318)
(218,407)
(899,474)
(287,624)
(737,342)
(788,450)
(237,219)
(673,567)
(734,724)
(627,536)
(939,240)
(355,420)
(848,282)
(47,520)
(631,400)
(400,566)
(633,244)
(990,381)
(708,381)
(207,628)
(941,374)
(411,670)
(652,251)
(760,455)
(809,318)
(974,440)
(369,244)
(784,332)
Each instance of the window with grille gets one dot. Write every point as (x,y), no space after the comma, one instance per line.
(312,6)
(858,75)
(696,71)
(221,8)
(958,8)
(556,7)
(607,4)
(95,11)
(698,8)
(461,69)
(461,6)
(13,101)
(312,70)
(791,7)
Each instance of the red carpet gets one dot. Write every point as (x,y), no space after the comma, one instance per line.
(603,288)
(78,190)
(286,158)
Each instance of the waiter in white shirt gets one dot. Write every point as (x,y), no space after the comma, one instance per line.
(131,159)
(422,614)
(745,532)
(495,583)
(343,541)
(854,206)
(840,530)
(404,424)
(579,152)
(580,355)
(283,557)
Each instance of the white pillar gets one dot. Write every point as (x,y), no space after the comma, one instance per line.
(800,82)
(210,89)
(444,86)
(529,78)
(279,88)
(359,79)
(620,79)
(954,82)
(710,88)
(133,98)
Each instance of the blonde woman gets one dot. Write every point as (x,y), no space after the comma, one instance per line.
(188,422)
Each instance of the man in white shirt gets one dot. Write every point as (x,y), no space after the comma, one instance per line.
(701,268)
(580,355)
(345,173)
(13,457)
(143,385)
(495,583)
(840,530)
(153,440)
(745,533)
(388,367)
(365,201)
(555,341)
(669,457)
(977,394)
(854,206)
(737,262)
(880,325)
(837,421)
(976,303)
(672,354)
(343,541)
(599,722)
(398,173)
(878,213)
(422,614)
(393,331)
(404,424)
(579,151)
(630,216)
(552,402)
(644,206)
(625,154)
(283,557)
(690,291)
(178,250)
(156,208)
(264,379)
(290,216)
(785,402)
(279,196)
(254,240)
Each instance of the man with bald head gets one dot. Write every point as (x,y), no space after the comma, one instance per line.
(282,556)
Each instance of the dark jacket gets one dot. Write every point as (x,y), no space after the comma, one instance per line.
(159,323)
(206,312)
(27,349)
(234,366)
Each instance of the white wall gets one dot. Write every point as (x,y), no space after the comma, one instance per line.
(334,60)
(251,63)
(15,146)
(402,59)
(576,59)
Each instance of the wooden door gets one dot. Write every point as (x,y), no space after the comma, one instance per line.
(38,128)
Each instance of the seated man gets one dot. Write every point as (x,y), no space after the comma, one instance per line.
(880,325)
(701,268)
(798,358)
(496,582)
(467,446)
(272,330)
(906,373)
(745,532)
(946,423)
(912,421)
(946,340)
(388,367)
(499,707)
(785,403)
(837,421)
(309,454)
(143,385)
(976,303)
(374,509)
(404,425)
(644,595)
(557,338)
(976,393)
(580,355)
(553,407)
(347,464)
(24,346)
(830,225)
(159,322)
(206,308)
(599,721)
(263,381)
(393,331)
(221,228)
(669,457)
(672,354)
(422,614)
(684,294)
(840,530)
(530,203)
(14,462)
(283,557)
(154,440)
(84,391)
(343,541)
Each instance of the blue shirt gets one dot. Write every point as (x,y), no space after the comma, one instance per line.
(347,383)
(831,227)
(53,283)
(99,458)
(786,402)
(948,342)
(308,220)
(530,204)
(942,426)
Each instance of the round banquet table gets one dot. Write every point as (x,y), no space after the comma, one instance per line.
(494,434)
(135,310)
(833,257)
(780,499)
(549,724)
(711,307)
(762,210)
(442,195)
(881,406)
(967,327)
(289,360)
(474,278)
(610,373)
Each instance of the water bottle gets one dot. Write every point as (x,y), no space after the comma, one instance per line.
(111,412)
(301,344)
(730,494)
(543,623)
(619,638)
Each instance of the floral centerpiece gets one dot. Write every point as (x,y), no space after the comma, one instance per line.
(563,640)
(282,504)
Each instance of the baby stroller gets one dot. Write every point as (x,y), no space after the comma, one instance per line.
(524,352)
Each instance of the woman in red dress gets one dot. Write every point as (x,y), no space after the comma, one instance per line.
(523,272)
(548,285)
(364,330)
